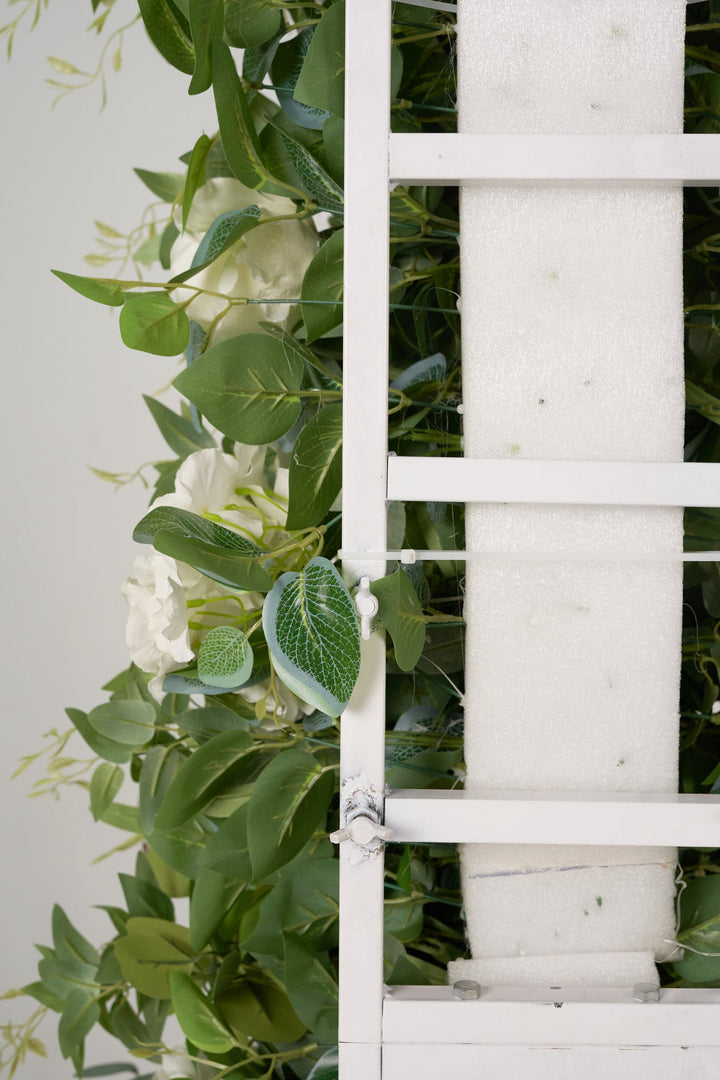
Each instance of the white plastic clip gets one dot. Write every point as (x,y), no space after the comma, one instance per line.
(367,607)
(361,814)
(362,830)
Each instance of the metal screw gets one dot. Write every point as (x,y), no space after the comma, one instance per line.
(646,992)
(466,990)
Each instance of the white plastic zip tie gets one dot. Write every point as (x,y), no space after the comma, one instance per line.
(408,556)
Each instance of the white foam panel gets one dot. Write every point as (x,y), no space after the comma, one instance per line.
(572,349)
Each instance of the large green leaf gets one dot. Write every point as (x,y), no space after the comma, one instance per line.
(212,897)
(312,632)
(214,766)
(80,1014)
(196,1016)
(206,23)
(152,322)
(249,23)
(401,614)
(304,902)
(324,281)
(131,723)
(288,803)
(109,749)
(311,988)
(247,387)
(102,292)
(179,432)
(169,32)
(150,950)
(225,657)
(105,783)
(316,469)
(233,569)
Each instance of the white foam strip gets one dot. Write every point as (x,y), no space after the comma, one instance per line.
(570,969)
(572,350)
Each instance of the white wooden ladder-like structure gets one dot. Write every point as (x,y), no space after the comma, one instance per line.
(425,1032)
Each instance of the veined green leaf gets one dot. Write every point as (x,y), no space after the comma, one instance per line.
(214,766)
(105,783)
(207,722)
(225,657)
(167,186)
(102,292)
(312,632)
(199,1021)
(429,369)
(286,67)
(184,523)
(169,32)
(179,433)
(311,988)
(249,23)
(402,616)
(233,569)
(324,281)
(246,387)
(288,802)
(152,322)
(316,469)
(225,231)
(207,20)
(195,174)
(131,723)
(316,182)
(182,848)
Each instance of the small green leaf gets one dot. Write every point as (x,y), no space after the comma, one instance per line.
(315,181)
(184,523)
(214,766)
(109,749)
(311,988)
(105,783)
(179,433)
(212,897)
(225,657)
(182,848)
(286,67)
(402,616)
(249,23)
(150,950)
(429,369)
(199,1021)
(70,945)
(321,83)
(232,569)
(169,32)
(256,1008)
(312,632)
(207,19)
(80,1014)
(700,930)
(227,851)
(167,186)
(195,174)
(152,322)
(288,802)
(158,771)
(145,899)
(224,232)
(131,723)
(324,281)
(102,292)
(316,469)
(205,723)
(246,387)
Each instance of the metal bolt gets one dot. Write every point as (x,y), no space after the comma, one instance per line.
(466,990)
(646,992)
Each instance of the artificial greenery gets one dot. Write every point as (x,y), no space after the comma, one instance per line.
(234,749)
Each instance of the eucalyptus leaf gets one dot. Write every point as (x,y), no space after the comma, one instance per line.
(212,897)
(195,174)
(207,20)
(227,851)
(128,1027)
(169,32)
(256,1008)
(79,1016)
(105,783)
(214,766)
(304,902)
(246,387)
(152,322)
(699,931)
(179,433)
(288,803)
(167,186)
(225,657)
(131,723)
(196,1016)
(401,614)
(324,281)
(158,770)
(102,292)
(70,946)
(182,848)
(145,899)
(316,468)
(249,23)
(312,632)
(150,950)
(311,988)
(286,67)
(110,749)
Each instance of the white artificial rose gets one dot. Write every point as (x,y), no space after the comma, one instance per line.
(268,263)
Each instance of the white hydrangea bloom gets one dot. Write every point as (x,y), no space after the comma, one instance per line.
(268,263)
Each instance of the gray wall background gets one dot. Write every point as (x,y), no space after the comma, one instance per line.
(71,398)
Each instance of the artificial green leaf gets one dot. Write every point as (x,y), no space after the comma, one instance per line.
(249,23)
(312,632)
(69,943)
(256,1008)
(169,235)
(127,1026)
(169,32)
(256,61)
(224,232)
(145,899)
(321,83)
(179,433)
(122,816)
(286,67)
(109,971)
(131,723)
(214,766)
(167,186)
(109,749)
(402,616)
(42,994)
(404,920)
(102,292)
(195,175)
(316,469)
(246,387)
(227,851)
(149,251)
(327,1067)
(323,282)
(212,897)
(150,950)
(304,902)
(700,931)
(207,19)
(207,722)
(152,322)
(409,766)
(184,523)
(105,783)
(169,880)
(80,1014)
(158,770)
(196,1016)
(239,138)
(288,802)
(182,848)
(334,147)
(233,569)
(315,181)
(311,988)
(225,657)
(429,369)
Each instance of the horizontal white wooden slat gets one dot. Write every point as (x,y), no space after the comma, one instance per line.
(531,1016)
(440,158)
(637,819)
(591,483)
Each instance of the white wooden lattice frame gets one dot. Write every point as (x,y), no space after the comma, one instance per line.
(380,1028)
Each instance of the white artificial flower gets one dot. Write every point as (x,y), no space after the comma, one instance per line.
(283,706)
(268,263)
(178,1064)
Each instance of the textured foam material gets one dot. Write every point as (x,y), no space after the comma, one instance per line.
(572,349)
(558,970)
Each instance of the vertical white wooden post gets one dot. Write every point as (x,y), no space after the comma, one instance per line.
(365,374)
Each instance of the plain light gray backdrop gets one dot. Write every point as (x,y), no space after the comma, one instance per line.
(71,398)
